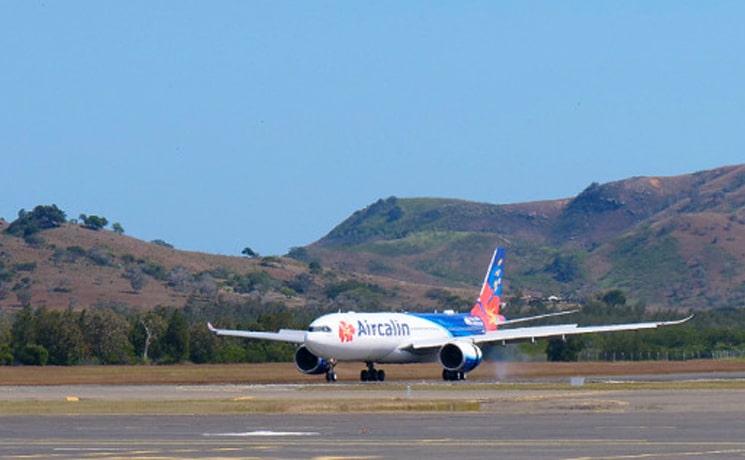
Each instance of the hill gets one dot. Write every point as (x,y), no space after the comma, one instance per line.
(72,266)
(670,242)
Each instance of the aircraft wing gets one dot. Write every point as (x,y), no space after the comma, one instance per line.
(533,318)
(283,335)
(522,334)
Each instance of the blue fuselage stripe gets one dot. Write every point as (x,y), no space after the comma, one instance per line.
(457,324)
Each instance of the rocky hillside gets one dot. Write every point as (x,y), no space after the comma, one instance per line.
(668,241)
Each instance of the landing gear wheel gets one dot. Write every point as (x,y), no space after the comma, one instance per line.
(331,376)
(371,374)
(453,375)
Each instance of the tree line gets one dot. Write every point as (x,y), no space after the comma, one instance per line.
(119,335)
(707,334)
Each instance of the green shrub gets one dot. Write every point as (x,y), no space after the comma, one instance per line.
(34,355)
(25,267)
(41,218)
(94,222)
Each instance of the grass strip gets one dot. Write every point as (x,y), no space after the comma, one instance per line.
(209,407)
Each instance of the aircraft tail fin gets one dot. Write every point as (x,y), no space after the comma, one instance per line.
(488,303)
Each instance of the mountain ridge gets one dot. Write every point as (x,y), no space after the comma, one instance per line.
(653,236)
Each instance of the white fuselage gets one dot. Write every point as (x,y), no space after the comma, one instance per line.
(375,337)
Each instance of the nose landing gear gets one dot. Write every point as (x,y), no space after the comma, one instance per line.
(371,374)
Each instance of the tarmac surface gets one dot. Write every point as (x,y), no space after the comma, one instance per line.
(575,423)
(370,436)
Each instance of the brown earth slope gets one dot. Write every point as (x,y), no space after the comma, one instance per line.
(76,267)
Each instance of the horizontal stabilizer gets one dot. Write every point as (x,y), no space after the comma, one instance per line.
(533,318)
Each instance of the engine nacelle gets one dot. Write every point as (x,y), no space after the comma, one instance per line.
(460,356)
(308,363)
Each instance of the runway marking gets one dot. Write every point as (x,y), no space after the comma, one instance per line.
(663,454)
(261,433)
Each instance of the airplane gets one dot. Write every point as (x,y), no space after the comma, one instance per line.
(453,339)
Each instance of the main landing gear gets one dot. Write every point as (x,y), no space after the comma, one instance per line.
(453,375)
(371,374)
(330,373)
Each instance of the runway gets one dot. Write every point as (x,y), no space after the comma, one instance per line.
(515,423)
(369,436)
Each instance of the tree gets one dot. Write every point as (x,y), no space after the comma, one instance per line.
(59,333)
(41,218)
(117,228)
(248,252)
(93,222)
(315,267)
(6,340)
(565,268)
(180,279)
(136,278)
(25,348)
(564,350)
(150,327)
(205,285)
(23,295)
(202,344)
(162,243)
(34,355)
(614,297)
(107,334)
(176,338)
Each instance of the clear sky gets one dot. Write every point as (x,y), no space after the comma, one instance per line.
(225,124)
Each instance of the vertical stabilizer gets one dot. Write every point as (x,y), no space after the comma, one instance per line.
(488,303)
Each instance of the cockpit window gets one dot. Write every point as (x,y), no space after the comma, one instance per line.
(319,329)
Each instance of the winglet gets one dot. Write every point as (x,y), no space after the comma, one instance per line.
(211,327)
(680,321)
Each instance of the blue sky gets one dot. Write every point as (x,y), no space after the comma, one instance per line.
(219,125)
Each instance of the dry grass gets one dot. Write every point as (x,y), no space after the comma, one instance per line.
(232,406)
(286,372)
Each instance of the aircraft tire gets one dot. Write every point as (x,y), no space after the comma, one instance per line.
(363,375)
(381,375)
(452,376)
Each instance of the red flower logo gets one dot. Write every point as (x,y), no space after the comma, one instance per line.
(346,331)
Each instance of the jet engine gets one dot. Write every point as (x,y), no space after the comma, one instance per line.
(308,363)
(460,356)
